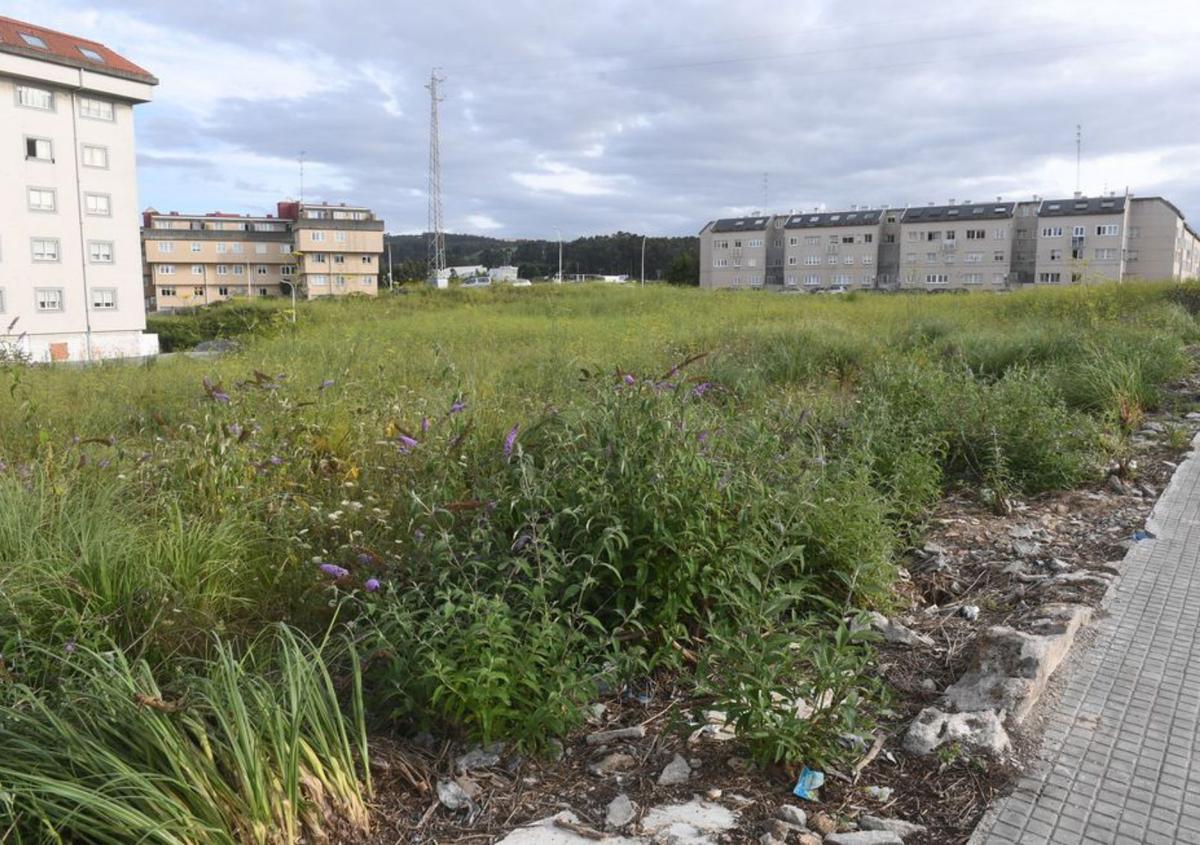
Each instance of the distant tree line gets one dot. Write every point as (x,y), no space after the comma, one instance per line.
(675,260)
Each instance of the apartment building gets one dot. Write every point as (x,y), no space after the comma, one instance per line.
(734,252)
(1114,238)
(313,250)
(70,277)
(841,250)
(957,246)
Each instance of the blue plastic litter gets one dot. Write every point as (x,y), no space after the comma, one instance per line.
(1140,535)
(808,784)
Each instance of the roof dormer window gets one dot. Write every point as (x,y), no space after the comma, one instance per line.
(91,54)
(33,41)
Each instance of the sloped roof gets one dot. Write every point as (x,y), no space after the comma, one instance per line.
(742,224)
(858,217)
(26,39)
(1078,206)
(963,213)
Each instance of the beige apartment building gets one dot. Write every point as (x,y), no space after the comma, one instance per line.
(840,250)
(310,249)
(70,265)
(957,246)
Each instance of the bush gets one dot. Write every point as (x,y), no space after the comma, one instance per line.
(227,320)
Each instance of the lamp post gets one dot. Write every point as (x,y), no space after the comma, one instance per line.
(391,276)
(643,260)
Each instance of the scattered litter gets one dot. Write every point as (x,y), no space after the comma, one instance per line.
(970,612)
(605,737)
(880,793)
(808,784)
(1140,535)
(453,796)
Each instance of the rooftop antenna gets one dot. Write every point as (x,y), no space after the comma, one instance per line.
(1079,153)
(302,154)
(437,238)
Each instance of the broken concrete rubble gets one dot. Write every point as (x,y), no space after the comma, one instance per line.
(981,732)
(1012,667)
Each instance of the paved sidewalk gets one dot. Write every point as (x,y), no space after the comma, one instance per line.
(1119,758)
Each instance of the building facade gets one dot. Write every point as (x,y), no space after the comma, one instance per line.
(312,250)
(70,265)
(956,246)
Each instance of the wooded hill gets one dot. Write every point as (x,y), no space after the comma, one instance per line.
(672,259)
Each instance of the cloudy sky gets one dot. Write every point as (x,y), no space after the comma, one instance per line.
(652,117)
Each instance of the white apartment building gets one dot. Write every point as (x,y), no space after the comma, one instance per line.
(70,256)
(960,246)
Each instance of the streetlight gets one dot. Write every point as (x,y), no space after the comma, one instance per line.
(391,276)
(643,260)
(557,232)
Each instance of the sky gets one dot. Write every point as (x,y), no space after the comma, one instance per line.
(585,118)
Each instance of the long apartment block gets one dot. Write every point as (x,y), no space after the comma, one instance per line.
(311,250)
(956,246)
(70,266)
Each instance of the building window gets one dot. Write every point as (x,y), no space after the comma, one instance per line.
(1106,255)
(339,259)
(222,247)
(197,269)
(222,269)
(261,269)
(95,156)
(100,252)
(931,257)
(318,279)
(104,299)
(849,259)
(287,270)
(1056,255)
(976,234)
(166,246)
(366,281)
(366,259)
(318,258)
(98,205)
(35,98)
(197,291)
(95,109)
(340,237)
(49,299)
(166,291)
(974,257)
(1052,231)
(812,260)
(997,256)
(237,248)
(791,261)
(812,279)
(832,260)
(45,249)
(866,259)
(239,269)
(39,149)
(1109,229)
(41,199)
(262,291)
(1077,232)
(1000,234)
(1132,255)
(166,269)
(973,278)
(223,291)
(868,238)
(318,237)
(285,249)
(195,246)
(936,278)
(1049,277)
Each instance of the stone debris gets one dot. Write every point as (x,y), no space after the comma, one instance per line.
(615,735)
(453,796)
(611,764)
(693,823)
(621,811)
(548,831)
(933,728)
(864,837)
(880,793)
(1012,667)
(1026,548)
(970,612)
(822,823)
(792,815)
(676,772)
(808,839)
(897,826)
(479,758)
(716,728)
(894,632)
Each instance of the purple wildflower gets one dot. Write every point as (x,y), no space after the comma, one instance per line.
(407,444)
(372,585)
(424,425)
(629,379)
(235,430)
(328,383)
(457,407)
(221,396)
(275,460)
(510,440)
(418,535)
(702,438)
(364,558)
(104,463)
(702,388)
(333,570)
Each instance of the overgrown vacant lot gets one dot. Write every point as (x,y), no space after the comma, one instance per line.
(476,513)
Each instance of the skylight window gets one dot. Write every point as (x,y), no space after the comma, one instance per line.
(999,209)
(89,53)
(1055,206)
(813,219)
(953,212)
(1081,205)
(33,41)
